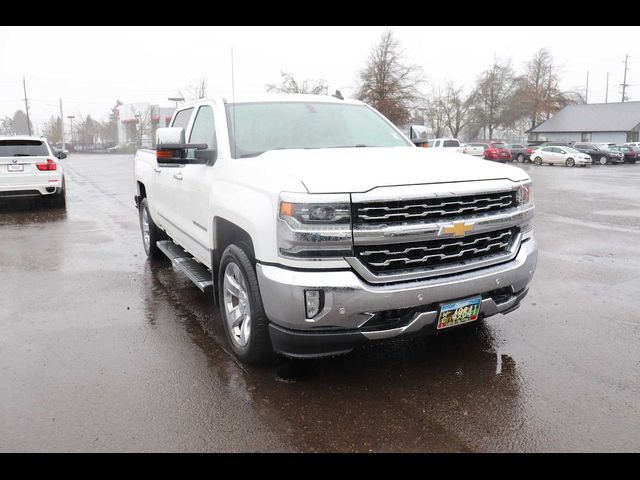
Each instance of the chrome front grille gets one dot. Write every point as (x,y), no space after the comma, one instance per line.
(432,209)
(436,254)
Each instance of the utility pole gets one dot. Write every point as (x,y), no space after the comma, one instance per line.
(624,82)
(26,104)
(62,123)
(71,117)
(586,94)
(606,95)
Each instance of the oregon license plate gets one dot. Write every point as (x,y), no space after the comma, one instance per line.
(457,313)
(16,168)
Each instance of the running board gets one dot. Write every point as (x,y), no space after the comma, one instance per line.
(195,271)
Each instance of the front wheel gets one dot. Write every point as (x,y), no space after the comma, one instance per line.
(243,316)
(570,162)
(603,160)
(537,161)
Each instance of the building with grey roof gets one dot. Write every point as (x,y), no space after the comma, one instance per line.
(592,122)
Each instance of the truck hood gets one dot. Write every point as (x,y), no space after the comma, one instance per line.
(353,170)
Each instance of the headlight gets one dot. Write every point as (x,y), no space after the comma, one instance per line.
(524,193)
(314,227)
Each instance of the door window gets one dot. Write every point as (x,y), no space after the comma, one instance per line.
(182,118)
(203,130)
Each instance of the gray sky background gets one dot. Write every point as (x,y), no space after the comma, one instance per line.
(91,67)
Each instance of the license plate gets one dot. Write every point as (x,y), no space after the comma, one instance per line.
(457,313)
(16,168)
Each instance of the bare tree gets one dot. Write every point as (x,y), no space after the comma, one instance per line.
(288,84)
(388,83)
(143,125)
(194,90)
(52,129)
(456,106)
(435,112)
(493,95)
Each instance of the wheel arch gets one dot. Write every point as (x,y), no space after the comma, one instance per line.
(224,234)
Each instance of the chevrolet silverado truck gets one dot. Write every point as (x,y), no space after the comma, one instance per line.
(318,226)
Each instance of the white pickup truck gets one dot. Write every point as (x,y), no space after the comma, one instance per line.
(318,226)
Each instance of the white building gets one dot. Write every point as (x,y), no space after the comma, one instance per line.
(137,123)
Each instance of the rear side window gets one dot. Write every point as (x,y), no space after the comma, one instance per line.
(23,148)
(182,118)
(451,143)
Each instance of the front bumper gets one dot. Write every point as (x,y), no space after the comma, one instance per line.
(349,302)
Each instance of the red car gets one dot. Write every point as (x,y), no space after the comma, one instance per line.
(497,151)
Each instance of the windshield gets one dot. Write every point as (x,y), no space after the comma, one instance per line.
(23,148)
(570,150)
(268,126)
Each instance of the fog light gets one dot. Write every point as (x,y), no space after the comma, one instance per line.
(313,302)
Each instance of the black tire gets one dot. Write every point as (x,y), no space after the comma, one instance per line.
(58,200)
(570,162)
(258,347)
(537,161)
(603,160)
(155,234)
(520,158)
(632,161)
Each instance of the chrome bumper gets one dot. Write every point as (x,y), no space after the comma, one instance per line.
(349,302)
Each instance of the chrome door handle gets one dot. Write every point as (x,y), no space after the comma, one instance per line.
(157,169)
(177,176)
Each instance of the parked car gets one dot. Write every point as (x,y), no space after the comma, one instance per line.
(519,152)
(497,151)
(312,243)
(475,149)
(448,143)
(635,145)
(630,153)
(560,155)
(29,168)
(598,154)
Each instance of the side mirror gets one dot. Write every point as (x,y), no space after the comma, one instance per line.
(176,153)
(60,154)
(170,135)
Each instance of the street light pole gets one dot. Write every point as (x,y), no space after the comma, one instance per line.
(176,99)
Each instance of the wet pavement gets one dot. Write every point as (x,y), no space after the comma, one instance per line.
(102,351)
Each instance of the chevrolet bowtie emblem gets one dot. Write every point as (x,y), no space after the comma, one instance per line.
(458,229)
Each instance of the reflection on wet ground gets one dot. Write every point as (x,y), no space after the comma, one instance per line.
(102,350)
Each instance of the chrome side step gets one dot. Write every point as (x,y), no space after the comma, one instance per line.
(195,271)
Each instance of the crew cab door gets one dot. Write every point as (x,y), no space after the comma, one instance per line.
(162,198)
(194,191)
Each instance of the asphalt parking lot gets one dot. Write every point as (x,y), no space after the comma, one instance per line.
(101,351)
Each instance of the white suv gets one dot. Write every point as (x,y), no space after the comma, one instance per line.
(29,168)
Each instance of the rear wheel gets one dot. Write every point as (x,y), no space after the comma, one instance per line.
(150,232)
(243,316)
(537,161)
(520,158)
(570,162)
(58,200)
(603,160)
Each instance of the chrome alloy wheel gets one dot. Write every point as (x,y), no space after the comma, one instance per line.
(146,234)
(236,304)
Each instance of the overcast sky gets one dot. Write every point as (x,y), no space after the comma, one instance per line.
(91,67)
